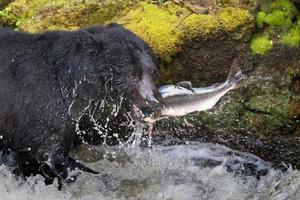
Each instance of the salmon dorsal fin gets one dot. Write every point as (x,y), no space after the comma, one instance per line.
(185,84)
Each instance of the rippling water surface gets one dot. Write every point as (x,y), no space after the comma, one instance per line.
(189,171)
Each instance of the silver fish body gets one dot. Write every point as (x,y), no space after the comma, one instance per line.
(188,101)
(180,100)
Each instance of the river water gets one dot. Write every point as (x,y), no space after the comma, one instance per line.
(192,170)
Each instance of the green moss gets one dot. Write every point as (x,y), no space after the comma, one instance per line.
(66,17)
(164,25)
(196,24)
(224,117)
(232,18)
(268,110)
(278,18)
(227,19)
(292,38)
(275,103)
(157,25)
(266,124)
(292,73)
(228,2)
(260,44)
(41,15)
(260,19)
(284,5)
(278,13)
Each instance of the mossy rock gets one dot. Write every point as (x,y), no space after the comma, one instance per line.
(43,15)
(292,38)
(226,19)
(272,103)
(157,25)
(211,6)
(166,27)
(225,117)
(269,105)
(268,109)
(261,115)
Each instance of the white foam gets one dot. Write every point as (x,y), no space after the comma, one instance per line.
(195,171)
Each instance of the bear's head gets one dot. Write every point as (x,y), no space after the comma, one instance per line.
(113,63)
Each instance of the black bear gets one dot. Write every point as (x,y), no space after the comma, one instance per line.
(50,81)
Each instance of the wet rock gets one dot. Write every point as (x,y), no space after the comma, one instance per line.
(42,15)
(279,150)
(209,6)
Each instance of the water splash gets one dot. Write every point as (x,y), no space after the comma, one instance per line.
(189,171)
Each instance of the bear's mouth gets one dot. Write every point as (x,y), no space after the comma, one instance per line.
(145,100)
(144,109)
(145,114)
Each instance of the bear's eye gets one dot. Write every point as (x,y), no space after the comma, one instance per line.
(91,51)
(94,50)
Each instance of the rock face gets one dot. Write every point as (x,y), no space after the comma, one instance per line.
(41,15)
(197,40)
(267,106)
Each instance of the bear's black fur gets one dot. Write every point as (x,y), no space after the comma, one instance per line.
(49,81)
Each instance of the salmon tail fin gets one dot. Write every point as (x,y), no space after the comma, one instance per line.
(236,74)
